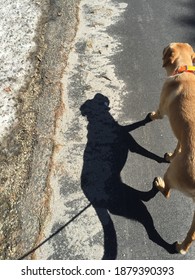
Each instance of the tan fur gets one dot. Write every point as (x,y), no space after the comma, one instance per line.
(177,101)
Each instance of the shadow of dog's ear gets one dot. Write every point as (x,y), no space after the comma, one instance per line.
(101,100)
(85,108)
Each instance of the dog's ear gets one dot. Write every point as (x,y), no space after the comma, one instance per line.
(193,57)
(166,55)
(170,54)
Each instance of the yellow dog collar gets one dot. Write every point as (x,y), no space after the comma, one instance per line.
(184,68)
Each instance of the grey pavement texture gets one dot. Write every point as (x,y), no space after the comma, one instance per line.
(78,165)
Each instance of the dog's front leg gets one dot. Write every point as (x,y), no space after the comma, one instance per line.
(155,115)
(170,156)
(161,111)
(162,186)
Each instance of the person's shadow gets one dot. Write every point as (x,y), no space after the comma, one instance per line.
(104,158)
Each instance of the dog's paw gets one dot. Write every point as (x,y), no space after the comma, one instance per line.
(152,115)
(159,183)
(168,157)
(179,248)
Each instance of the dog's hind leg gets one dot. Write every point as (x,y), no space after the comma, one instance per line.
(185,245)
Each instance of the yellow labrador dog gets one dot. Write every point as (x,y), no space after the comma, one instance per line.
(177,101)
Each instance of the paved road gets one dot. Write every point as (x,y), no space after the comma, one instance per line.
(105,155)
(149,26)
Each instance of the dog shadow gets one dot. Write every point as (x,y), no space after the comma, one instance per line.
(104,158)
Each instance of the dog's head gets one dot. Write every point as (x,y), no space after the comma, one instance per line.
(175,53)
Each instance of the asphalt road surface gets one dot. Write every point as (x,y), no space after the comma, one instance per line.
(148,27)
(106,156)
